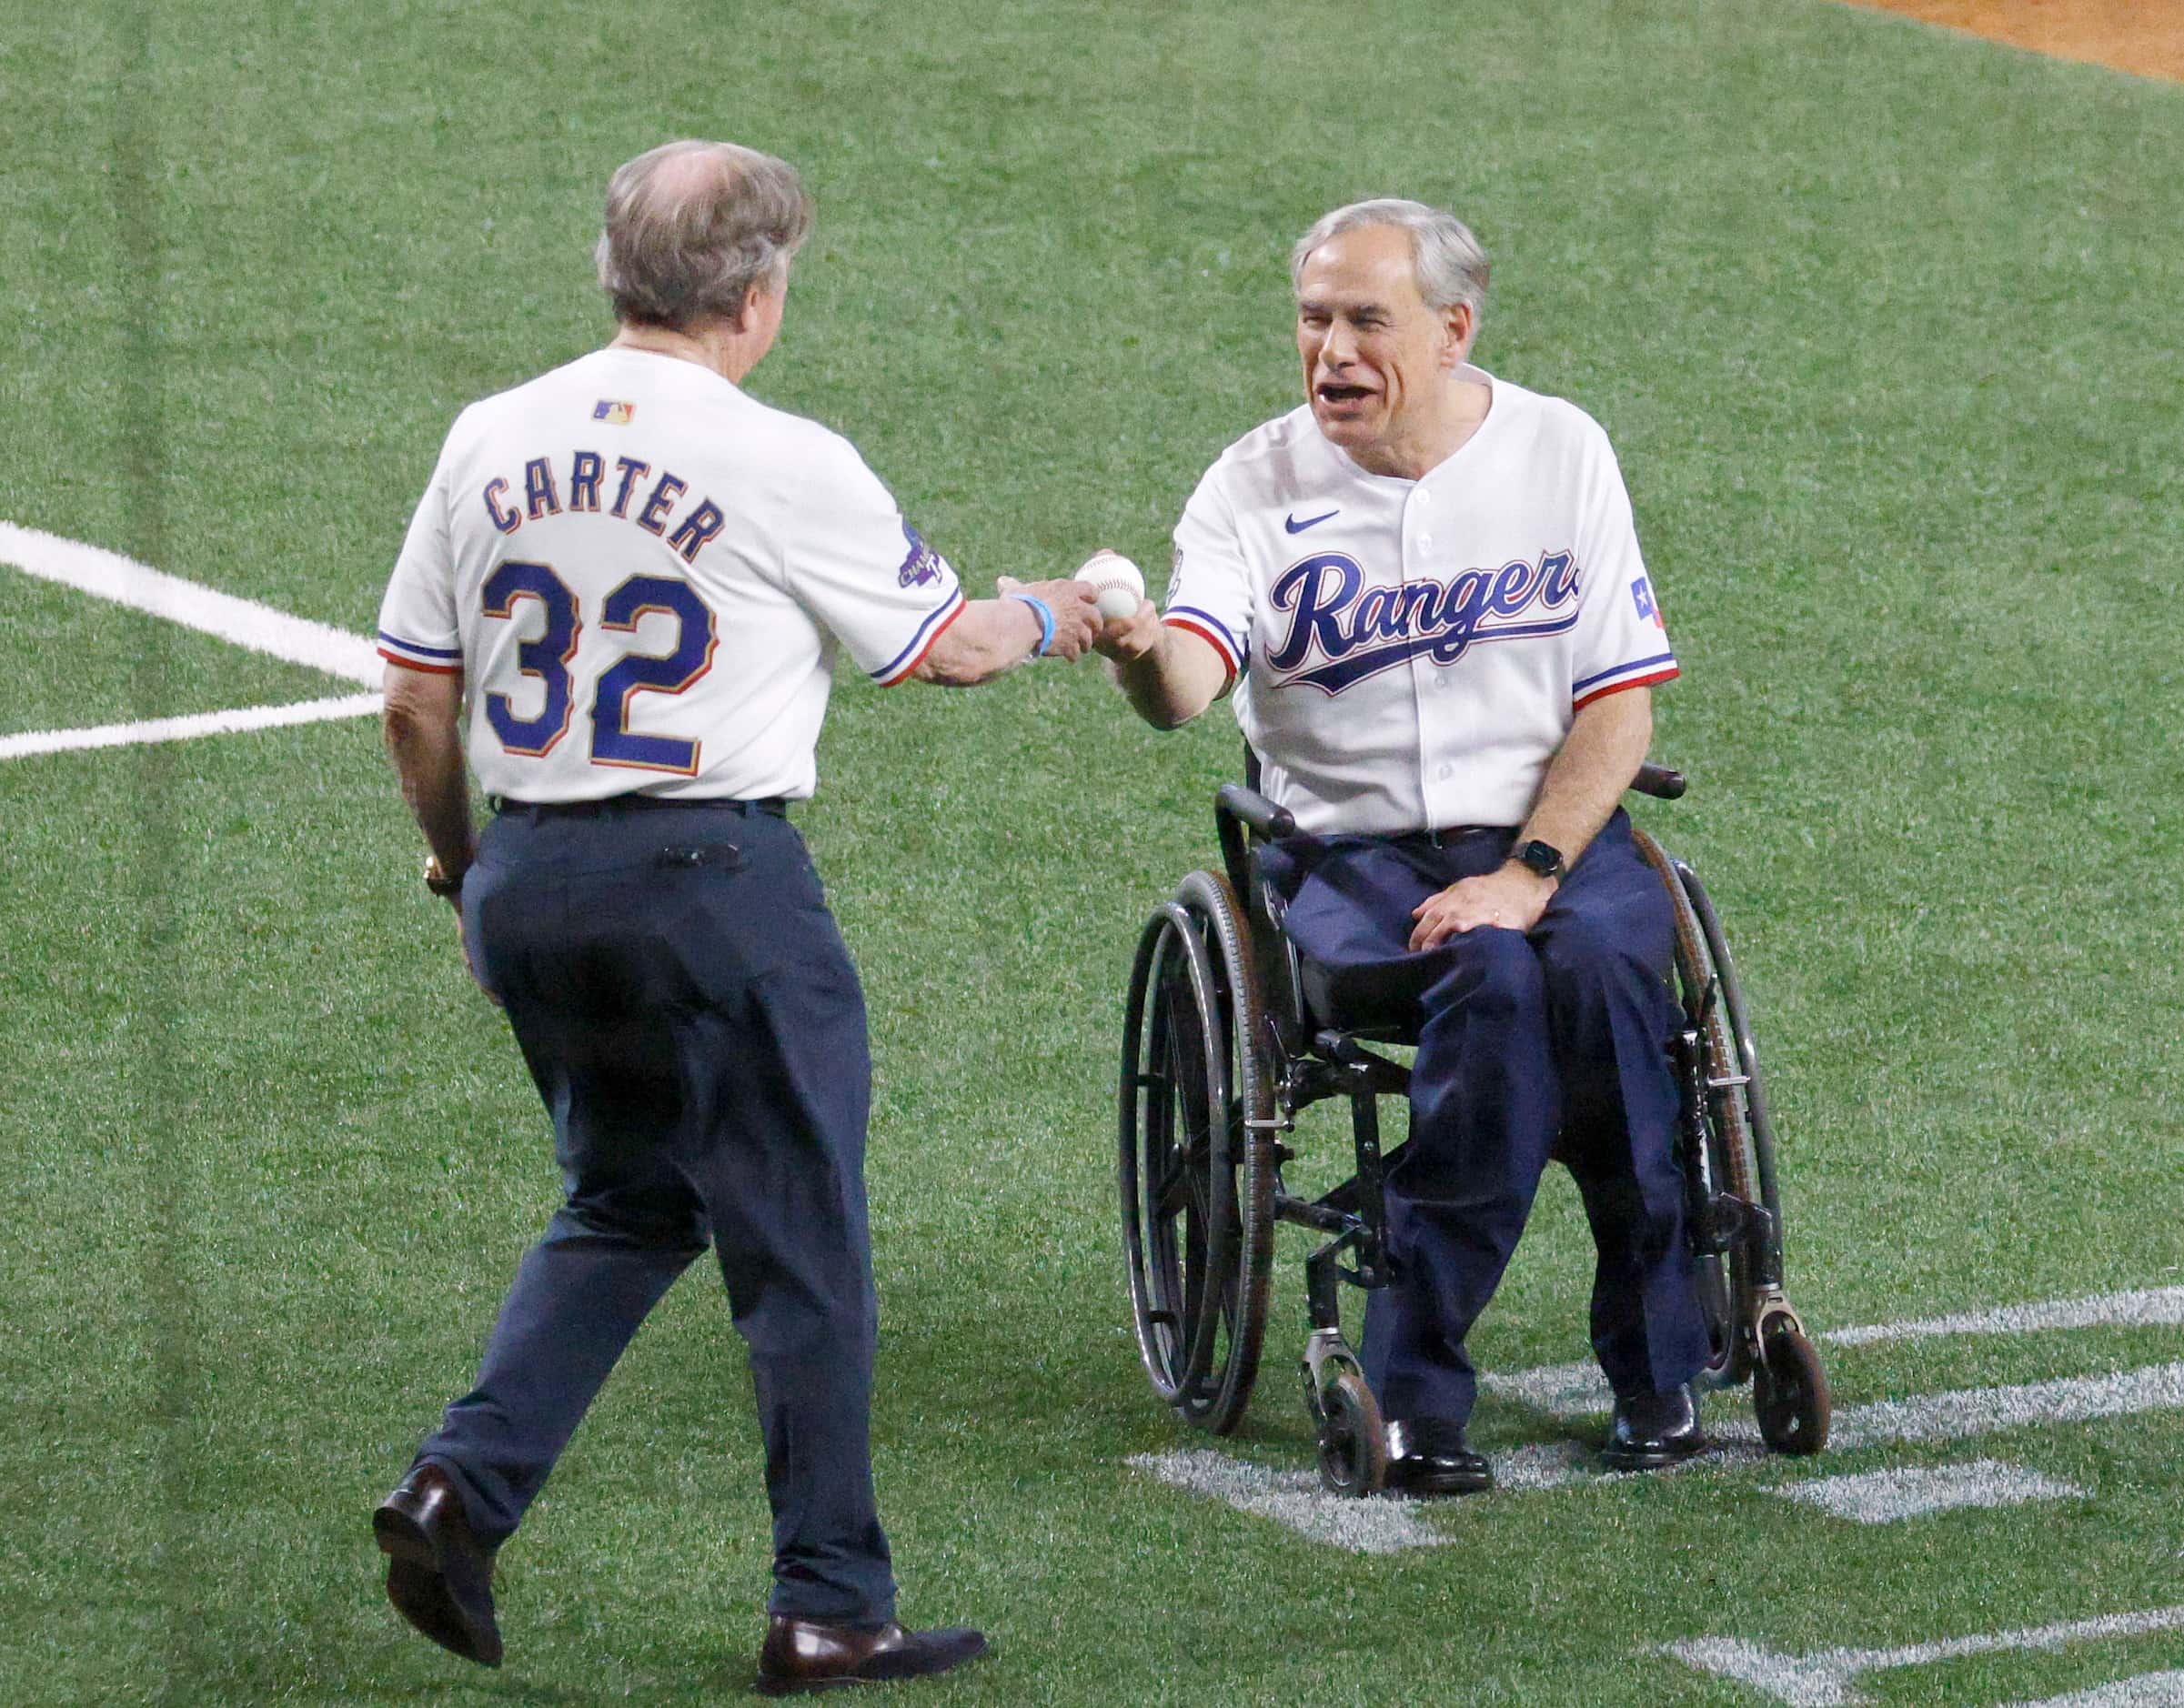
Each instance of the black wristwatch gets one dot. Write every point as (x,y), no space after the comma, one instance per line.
(440,883)
(1542,858)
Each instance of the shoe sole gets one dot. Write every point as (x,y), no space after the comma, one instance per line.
(418,1591)
(1436,1490)
(1651,1461)
(772,1686)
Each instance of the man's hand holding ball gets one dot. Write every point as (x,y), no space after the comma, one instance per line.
(1130,624)
(1117,580)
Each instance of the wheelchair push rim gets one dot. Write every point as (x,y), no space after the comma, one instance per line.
(1174,1234)
(1735,1159)
(1194,1174)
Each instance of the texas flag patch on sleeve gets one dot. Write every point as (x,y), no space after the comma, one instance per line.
(1641,594)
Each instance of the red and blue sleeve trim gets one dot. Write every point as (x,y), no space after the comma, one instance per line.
(1637,673)
(435,660)
(921,643)
(1208,630)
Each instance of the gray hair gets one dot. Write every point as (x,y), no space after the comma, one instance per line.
(692,225)
(1450,266)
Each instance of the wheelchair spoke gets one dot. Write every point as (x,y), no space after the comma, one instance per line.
(1194,1177)
(1172,1191)
(1194,1266)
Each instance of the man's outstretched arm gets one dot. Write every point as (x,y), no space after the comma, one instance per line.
(995,635)
(1168,673)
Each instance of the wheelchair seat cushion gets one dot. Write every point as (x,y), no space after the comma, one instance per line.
(1355,972)
(1379,997)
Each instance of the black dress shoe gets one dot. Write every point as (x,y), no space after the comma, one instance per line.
(439,1575)
(1428,1455)
(820,1655)
(1653,1430)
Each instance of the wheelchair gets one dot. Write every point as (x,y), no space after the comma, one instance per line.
(1229,1033)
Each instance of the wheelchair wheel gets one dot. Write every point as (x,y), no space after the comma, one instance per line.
(1730,1161)
(1789,1393)
(1195,1163)
(1353,1437)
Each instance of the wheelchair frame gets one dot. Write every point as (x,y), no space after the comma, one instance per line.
(1221,1054)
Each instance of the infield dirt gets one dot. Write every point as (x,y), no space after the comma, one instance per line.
(2135,35)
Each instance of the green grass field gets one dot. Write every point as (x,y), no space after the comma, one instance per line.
(1882,321)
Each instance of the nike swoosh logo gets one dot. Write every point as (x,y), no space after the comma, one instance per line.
(1295,527)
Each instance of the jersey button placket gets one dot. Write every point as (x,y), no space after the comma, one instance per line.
(1437,675)
(1426,677)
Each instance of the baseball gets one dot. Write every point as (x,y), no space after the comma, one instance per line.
(1122,584)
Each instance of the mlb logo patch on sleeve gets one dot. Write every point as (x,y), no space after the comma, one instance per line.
(1641,594)
(612,413)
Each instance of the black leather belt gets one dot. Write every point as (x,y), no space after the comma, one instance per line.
(538,810)
(1465,832)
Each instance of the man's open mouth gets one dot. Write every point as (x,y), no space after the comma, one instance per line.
(1331,392)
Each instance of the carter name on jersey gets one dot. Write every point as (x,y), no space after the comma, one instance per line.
(588,474)
(1361,631)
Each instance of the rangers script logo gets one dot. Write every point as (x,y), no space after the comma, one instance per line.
(1360,631)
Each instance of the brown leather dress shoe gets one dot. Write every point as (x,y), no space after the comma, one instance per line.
(438,1576)
(814,1655)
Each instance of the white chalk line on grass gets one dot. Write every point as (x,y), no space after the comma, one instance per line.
(2151,1307)
(1969,1412)
(2149,1690)
(1290,1498)
(110,575)
(1886,1497)
(107,575)
(1957,1415)
(1827,1677)
(219,723)
(1573,1391)
(1294,1498)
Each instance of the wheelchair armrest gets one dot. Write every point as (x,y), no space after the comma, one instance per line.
(1659,781)
(1254,811)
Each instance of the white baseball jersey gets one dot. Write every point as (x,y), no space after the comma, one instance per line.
(1412,652)
(644,575)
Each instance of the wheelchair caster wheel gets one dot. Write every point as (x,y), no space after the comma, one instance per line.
(1354,1443)
(1789,1392)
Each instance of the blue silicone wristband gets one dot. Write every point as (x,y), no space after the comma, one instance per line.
(1045,613)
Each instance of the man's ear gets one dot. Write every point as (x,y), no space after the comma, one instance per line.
(749,308)
(1459,326)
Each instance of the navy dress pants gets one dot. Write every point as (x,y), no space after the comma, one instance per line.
(1562,1032)
(689,1014)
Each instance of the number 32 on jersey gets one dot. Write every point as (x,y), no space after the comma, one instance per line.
(547,657)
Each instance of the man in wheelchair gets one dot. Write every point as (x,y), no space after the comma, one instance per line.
(1426,588)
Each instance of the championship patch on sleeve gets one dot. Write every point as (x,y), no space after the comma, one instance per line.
(612,413)
(922,567)
(1641,594)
